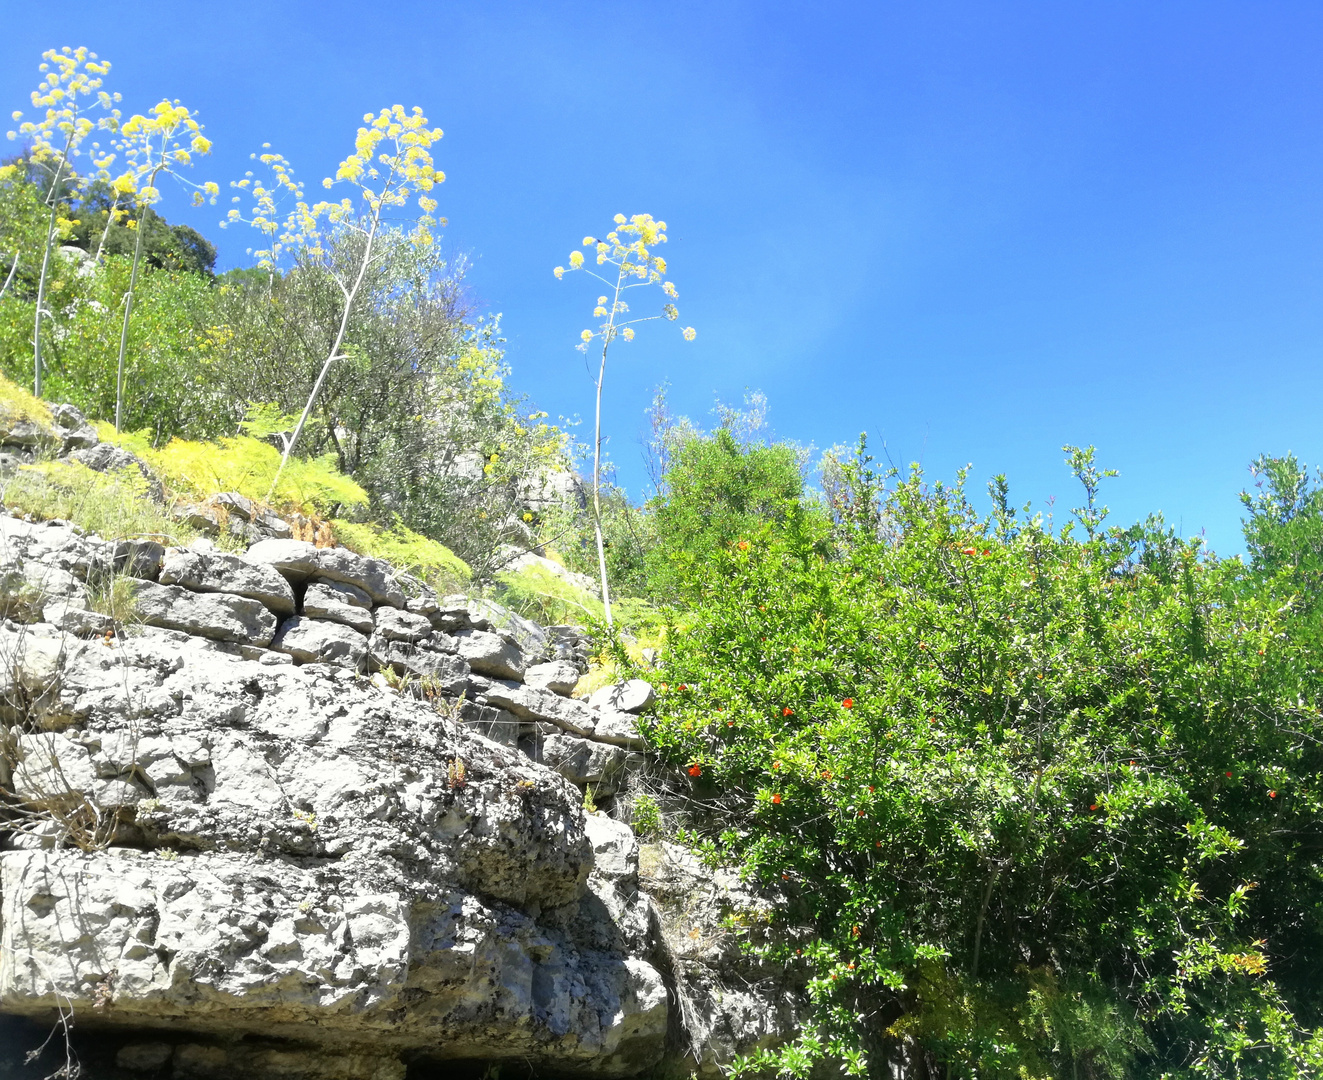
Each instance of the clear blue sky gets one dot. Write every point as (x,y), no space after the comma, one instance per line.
(976,230)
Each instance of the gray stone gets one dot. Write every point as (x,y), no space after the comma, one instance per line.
(19,431)
(299,560)
(443,669)
(218,572)
(490,654)
(620,728)
(565,713)
(558,676)
(338,602)
(315,641)
(107,457)
(632,696)
(582,761)
(221,616)
(139,558)
(75,619)
(396,625)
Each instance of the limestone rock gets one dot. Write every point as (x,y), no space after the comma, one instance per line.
(490,654)
(338,602)
(565,713)
(222,616)
(631,696)
(314,641)
(396,625)
(558,676)
(582,761)
(107,457)
(298,560)
(218,572)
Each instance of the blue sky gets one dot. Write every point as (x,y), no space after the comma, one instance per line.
(976,230)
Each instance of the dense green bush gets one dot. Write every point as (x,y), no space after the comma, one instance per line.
(1039,805)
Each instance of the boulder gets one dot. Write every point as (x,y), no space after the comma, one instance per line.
(140,559)
(442,670)
(299,560)
(558,676)
(631,696)
(583,762)
(315,641)
(221,616)
(396,625)
(338,602)
(107,457)
(490,654)
(219,572)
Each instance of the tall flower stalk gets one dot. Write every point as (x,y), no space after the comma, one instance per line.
(56,140)
(390,166)
(161,143)
(628,249)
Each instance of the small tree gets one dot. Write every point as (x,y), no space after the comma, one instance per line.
(56,139)
(627,248)
(152,145)
(391,164)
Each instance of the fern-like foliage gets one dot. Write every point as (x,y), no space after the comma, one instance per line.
(246,465)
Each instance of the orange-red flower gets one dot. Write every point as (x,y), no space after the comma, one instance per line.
(787,711)
(848,703)
(776,799)
(1272,794)
(970,551)
(695,770)
(744,545)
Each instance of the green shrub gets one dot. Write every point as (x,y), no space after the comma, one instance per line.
(1039,806)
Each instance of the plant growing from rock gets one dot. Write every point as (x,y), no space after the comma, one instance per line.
(71,75)
(628,248)
(161,143)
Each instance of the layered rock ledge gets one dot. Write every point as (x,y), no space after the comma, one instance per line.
(233,847)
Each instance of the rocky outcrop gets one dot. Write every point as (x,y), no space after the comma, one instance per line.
(247,838)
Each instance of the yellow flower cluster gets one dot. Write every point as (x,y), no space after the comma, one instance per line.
(628,248)
(159,143)
(391,164)
(264,215)
(56,138)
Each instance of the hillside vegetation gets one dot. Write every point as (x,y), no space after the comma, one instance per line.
(1038,803)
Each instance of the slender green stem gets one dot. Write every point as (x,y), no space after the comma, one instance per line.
(128,311)
(45,265)
(334,354)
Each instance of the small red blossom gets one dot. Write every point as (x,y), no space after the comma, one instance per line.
(695,770)
(730,723)
(854,930)
(683,687)
(1272,794)
(776,764)
(826,775)
(1093,806)
(744,545)
(871,787)
(878,844)
(969,551)
(850,965)
(787,711)
(860,814)
(848,703)
(1228,776)
(987,551)
(776,800)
